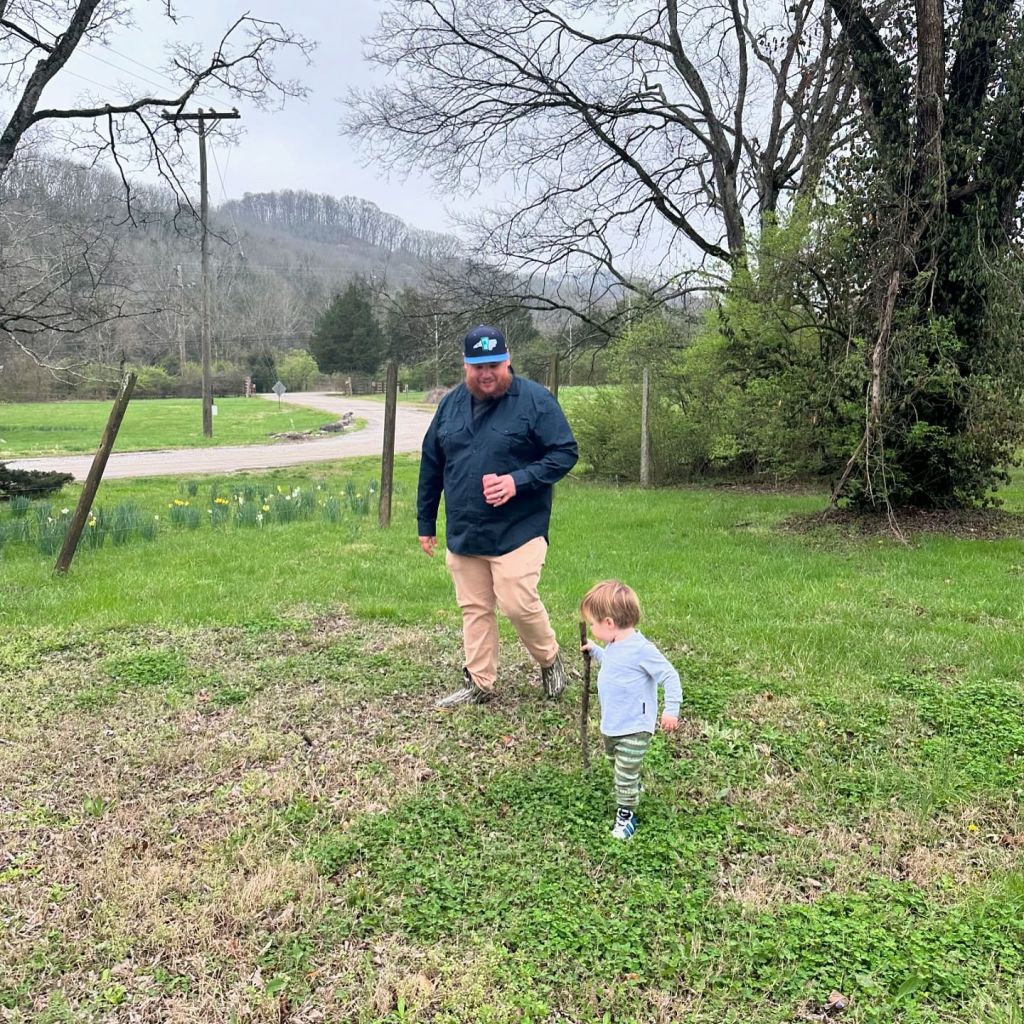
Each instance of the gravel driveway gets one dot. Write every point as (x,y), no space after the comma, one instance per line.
(411,425)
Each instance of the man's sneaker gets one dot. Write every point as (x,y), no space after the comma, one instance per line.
(468,693)
(625,824)
(553,678)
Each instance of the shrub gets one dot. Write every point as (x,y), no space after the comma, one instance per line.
(297,370)
(30,483)
(154,382)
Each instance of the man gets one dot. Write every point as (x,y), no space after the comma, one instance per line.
(495,447)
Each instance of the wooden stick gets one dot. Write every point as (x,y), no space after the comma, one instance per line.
(585,706)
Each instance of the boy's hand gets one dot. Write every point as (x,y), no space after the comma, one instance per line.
(585,647)
(669,723)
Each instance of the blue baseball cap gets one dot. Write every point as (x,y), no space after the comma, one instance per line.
(485,344)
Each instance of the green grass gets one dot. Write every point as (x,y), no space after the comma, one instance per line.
(416,399)
(220,758)
(61,428)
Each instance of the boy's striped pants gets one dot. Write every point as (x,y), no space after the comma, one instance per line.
(627,754)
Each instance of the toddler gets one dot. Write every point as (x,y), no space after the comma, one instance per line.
(630,671)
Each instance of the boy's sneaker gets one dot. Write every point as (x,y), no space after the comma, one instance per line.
(468,693)
(553,678)
(625,824)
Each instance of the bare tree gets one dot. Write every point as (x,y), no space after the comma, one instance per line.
(641,136)
(59,278)
(126,132)
(129,129)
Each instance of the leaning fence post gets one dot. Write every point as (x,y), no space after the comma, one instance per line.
(92,481)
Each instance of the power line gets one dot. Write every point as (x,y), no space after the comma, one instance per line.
(155,71)
(231,212)
(134,74)
(105,86)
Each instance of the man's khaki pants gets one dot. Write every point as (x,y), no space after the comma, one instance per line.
(508,583)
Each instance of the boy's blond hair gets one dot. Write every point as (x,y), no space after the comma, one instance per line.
(612,599)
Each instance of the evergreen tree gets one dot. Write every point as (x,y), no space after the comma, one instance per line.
(346,336)
(30,483)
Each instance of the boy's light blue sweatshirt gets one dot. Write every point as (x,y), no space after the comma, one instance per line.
(627,685)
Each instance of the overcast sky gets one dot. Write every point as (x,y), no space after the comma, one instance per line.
(298,147)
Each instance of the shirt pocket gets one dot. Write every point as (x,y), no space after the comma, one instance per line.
(512,436)
(454,437)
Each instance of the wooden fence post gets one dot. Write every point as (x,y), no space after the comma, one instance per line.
(387,463)
(645,431)
(92,481)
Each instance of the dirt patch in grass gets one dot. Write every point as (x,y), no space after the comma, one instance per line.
(833,848)
(149,845)
(943,857)
(967,524)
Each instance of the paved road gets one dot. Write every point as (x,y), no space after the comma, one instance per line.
(410,427)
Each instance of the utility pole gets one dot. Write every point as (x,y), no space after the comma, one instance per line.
(202,116)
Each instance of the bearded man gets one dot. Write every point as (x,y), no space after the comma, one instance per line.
(497,445)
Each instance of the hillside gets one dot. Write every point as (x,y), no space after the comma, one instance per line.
(73,258)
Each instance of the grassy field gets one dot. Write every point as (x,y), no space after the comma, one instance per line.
(416,399)
(62,428)
(225,794)
(568,397)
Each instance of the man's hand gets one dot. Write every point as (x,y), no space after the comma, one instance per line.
(669,723)
(498,489)
(428,544)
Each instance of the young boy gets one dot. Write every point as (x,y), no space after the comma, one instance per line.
(630,671)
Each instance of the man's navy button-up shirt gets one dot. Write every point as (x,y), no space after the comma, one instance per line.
(525,434)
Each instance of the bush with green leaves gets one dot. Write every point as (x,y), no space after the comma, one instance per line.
(738,395)
(153,382)
(297,370)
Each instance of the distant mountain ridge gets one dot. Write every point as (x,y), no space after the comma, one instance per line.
(326,218)
(276,260)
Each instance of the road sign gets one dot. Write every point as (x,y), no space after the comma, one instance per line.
(279,389)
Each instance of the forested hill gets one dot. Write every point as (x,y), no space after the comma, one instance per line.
(326,218)
(73,251)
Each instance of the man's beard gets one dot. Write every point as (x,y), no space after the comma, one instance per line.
(502,385)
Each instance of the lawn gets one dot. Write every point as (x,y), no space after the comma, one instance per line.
(62,428)
(226,795)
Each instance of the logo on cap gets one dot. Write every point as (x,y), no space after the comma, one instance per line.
(486,344)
